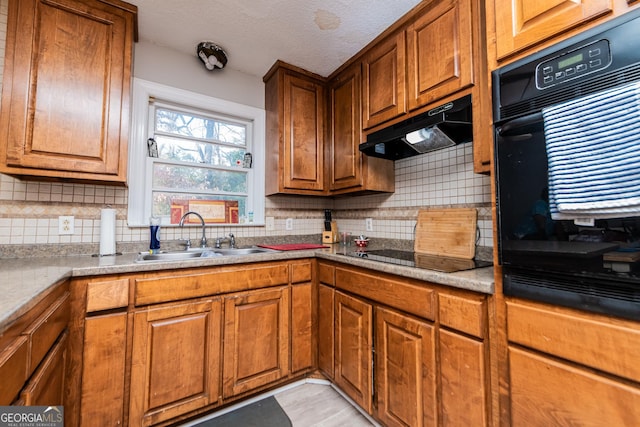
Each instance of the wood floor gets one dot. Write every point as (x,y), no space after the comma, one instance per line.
(312,404)
(319,405)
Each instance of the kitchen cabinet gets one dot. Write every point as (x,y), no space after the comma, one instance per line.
(326,298)
(353,348)
(405,370)
(384,80)
(65,100)
(97,351)
(256,339)
(175,364)
(46,387)
(350,170)
(439,52)
(430,344)
(463,352)
(159,347)
(33,351)
(516,28)
(295,103)
(567,367)
(303,315)
(519,25)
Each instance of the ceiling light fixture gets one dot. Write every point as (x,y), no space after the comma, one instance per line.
(212,55)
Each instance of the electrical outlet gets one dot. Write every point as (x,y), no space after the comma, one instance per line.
(269,223)
(368,224)
(288,224)
(66,225)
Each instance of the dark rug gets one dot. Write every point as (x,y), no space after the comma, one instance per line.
(264,413)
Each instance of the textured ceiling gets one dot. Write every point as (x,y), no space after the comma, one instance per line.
(317,35)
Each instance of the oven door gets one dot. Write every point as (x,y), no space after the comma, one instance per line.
(557,261)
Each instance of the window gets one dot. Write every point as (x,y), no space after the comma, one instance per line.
(193,152)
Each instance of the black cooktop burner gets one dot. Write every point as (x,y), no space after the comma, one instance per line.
(412,259)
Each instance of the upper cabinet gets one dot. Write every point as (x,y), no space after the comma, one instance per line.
(65,100)
(351,170)
(295,102)
(518,27)
(310,151)
(521,24)
(384,88)
(439,52)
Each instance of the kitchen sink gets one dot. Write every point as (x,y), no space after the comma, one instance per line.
(244,251)
(198,253)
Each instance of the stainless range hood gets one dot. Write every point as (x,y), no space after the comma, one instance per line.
(440,127)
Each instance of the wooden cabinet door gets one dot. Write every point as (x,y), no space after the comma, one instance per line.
(547,392)
(303,134)
(353,338)
(175,366)
(439,52)
(462,378)
(405,370)
(521,24)
(66,89)
(302,331)
(256,344)
(383,81)
(346,130)
(104,355)
(46,386)
(325,329)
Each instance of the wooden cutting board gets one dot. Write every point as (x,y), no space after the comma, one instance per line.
(447,232)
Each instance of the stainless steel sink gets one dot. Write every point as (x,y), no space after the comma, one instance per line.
(244,251)
(197,253)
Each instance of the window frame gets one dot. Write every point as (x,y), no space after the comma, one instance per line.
(139,178)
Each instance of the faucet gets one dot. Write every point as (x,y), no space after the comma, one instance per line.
(203,241)
(231,239)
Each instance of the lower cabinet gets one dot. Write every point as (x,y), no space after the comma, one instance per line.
(407,364)
(34,351)
(256,339)
(405,370)
(158,348)
(175,365)
(353,348)
(569,368)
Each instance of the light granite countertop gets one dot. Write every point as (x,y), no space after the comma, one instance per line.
(26,281)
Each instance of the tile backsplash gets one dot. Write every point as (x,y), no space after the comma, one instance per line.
(29,210)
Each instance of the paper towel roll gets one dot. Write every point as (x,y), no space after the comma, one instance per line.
(107,232)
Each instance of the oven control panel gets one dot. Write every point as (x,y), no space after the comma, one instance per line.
(574,64)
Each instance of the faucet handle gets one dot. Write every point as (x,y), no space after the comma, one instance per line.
(187,243)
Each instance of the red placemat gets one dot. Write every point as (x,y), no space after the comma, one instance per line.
(293,246)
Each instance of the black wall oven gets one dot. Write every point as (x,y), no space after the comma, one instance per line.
(590,258)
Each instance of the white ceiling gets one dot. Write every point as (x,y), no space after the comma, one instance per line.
(317,35)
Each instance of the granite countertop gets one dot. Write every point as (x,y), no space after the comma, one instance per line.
(26,281)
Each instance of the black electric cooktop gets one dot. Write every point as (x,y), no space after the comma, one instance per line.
(412,259)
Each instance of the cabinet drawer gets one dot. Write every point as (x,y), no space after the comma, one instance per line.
(46,386)
(107,295)
(209,282)
(301,272)
(13,369)
(326,274)
(414,299)
(609,345)
(545,392)
(463,314)
(46,330)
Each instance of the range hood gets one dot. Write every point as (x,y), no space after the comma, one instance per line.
(444,126)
